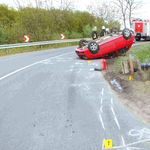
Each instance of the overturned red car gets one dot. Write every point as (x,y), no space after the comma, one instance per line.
(109,46)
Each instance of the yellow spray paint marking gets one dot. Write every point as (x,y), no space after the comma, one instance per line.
(108,143)
(88,62)
(130,78)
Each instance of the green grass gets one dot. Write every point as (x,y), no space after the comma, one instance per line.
(141,53)
(14,51)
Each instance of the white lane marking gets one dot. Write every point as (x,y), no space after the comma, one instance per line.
(102,91)
(101,109)
(117,123)
(91,69)
(113,111)
(101,121)
(111,100)
(103,144)
(101,100)
(123,142)
(1,78)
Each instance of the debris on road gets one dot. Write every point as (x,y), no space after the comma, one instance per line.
(116,84)
(98,69)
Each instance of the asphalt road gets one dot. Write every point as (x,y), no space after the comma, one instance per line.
(52,100)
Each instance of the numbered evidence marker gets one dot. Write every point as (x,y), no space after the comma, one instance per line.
(130,78)
(88,62)
(108,143)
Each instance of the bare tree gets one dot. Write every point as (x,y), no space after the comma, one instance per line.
(132,6)
(123,6)
(18,4)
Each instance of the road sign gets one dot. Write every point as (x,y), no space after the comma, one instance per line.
(108,143)
(62,36)
(26,38)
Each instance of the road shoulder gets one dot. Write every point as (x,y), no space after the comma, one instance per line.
(135,95)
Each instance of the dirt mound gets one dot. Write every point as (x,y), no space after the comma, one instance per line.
(135,94)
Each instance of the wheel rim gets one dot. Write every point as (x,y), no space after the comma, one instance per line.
(127,33)
(93,46)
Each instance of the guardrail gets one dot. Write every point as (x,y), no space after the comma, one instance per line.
(7,46)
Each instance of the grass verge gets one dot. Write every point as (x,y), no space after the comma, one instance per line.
(141,53)
(141,82)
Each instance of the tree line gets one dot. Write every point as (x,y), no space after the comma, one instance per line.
(47,24)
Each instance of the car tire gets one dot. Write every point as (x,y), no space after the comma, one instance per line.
(126,33)
(82,43)
(114,30)
(93,47)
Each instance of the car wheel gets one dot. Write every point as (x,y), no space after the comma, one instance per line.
(114,30)
(82,43)
(93,47)
(126,33)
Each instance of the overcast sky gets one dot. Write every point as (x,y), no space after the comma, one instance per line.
(82,5)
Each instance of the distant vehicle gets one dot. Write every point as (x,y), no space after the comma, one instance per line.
(141,29)
(109,46)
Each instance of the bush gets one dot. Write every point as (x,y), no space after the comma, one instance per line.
(75,35)
(3,37)
(87,30)
(72,35)
(56,36)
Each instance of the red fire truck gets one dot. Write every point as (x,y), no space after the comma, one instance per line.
(141,28)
